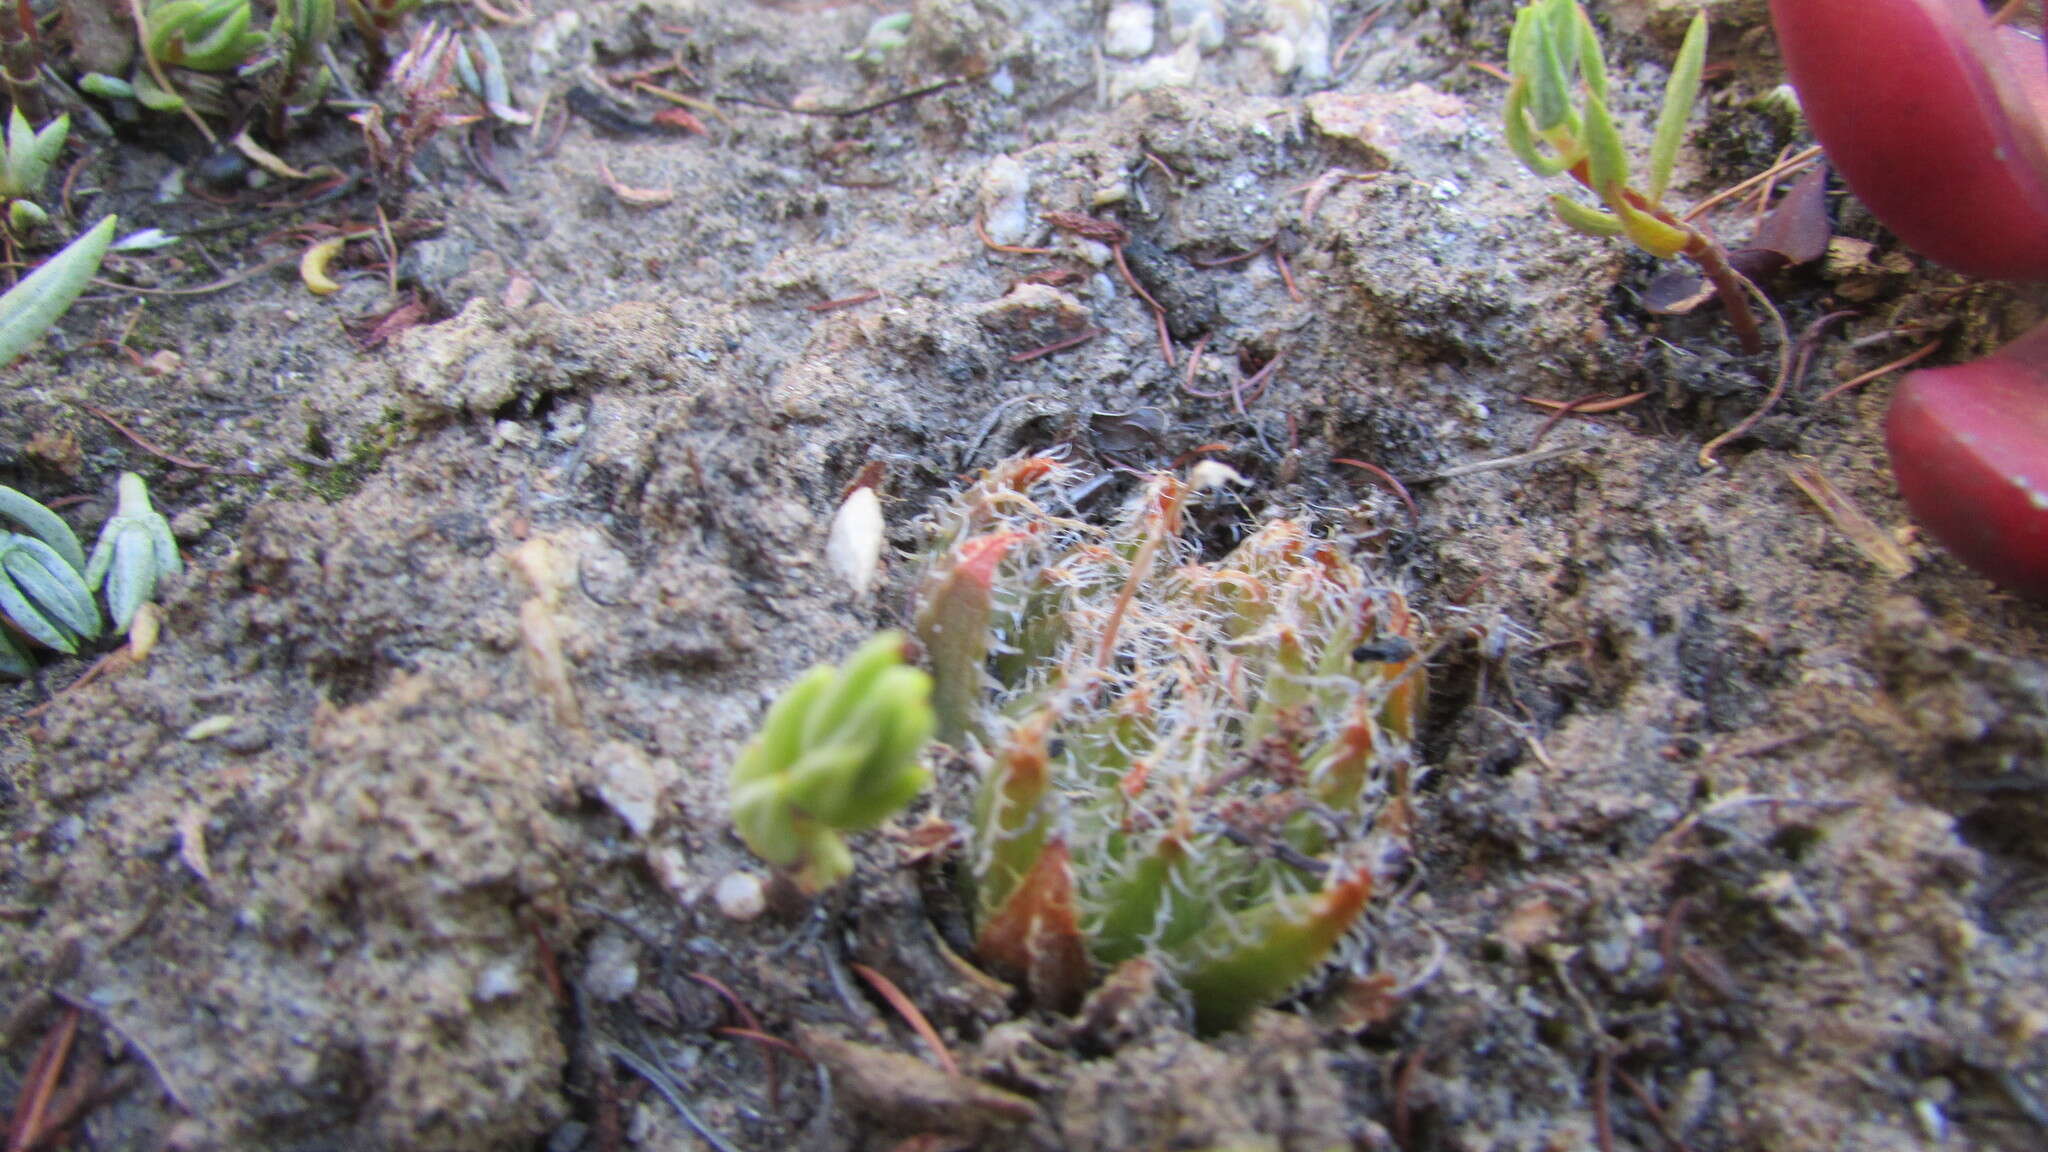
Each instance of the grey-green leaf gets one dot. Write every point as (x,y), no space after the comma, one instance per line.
(53,584)
(18,604)
(42,524)
(30,307)
(131,579)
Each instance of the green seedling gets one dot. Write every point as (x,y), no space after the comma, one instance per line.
(1199,763)
(1558,122)
(30,307)
(203,35)
(24,164)
(135,550)
(41,591)
(293,76)
(885,35)
(838,752)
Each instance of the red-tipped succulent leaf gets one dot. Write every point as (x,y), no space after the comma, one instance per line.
(1969,445)
(1936,118)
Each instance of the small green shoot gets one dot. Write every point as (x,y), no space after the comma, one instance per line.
(24,164)
(838,752)
(885,35)
(30,307)
(1558,122)
(135,550)
(203,35)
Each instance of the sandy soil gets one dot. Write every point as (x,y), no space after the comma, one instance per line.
(1731,840)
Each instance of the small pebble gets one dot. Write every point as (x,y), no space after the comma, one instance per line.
(628,784)
(1005,213)
(612,970)
(1127,33)
(498,981)
(741,896)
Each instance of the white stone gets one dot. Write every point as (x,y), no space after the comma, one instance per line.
(854,545)
(612,970)
(1127,32)
(1005,215)
(498,981)
(741,896)
(629,784)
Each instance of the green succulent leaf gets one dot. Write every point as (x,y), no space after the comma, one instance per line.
(204,35)
(133,552)
(1175,800)
(304,25)
(31,306)
(155,98)
(953,626)
(1584,219)
(43,595)
(106,87)
(838,752)
(1550,90)
(1592,59)
(1521,141)
(1268,951)
(1522,42)
(29,154)
(1606,159)
(1679,93)
(25,216)
(42,524)
(1652,235)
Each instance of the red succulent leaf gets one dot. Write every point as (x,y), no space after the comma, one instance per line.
(1969,445)
(1036,934)
(1937,120)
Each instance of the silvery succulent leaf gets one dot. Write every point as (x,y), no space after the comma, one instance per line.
(43,595)
(31,306)
(134,551)
(42,524)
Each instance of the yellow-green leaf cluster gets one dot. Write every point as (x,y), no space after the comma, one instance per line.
(838,752)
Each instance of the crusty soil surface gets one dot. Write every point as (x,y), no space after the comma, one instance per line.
(1729,838)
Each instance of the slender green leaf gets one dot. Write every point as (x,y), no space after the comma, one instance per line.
(1521,141)
(1581,218)
(1550,90)
(1679,94)
(30,307)
(1592,61)
(1606,160)
(106,87)
(1522,43)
